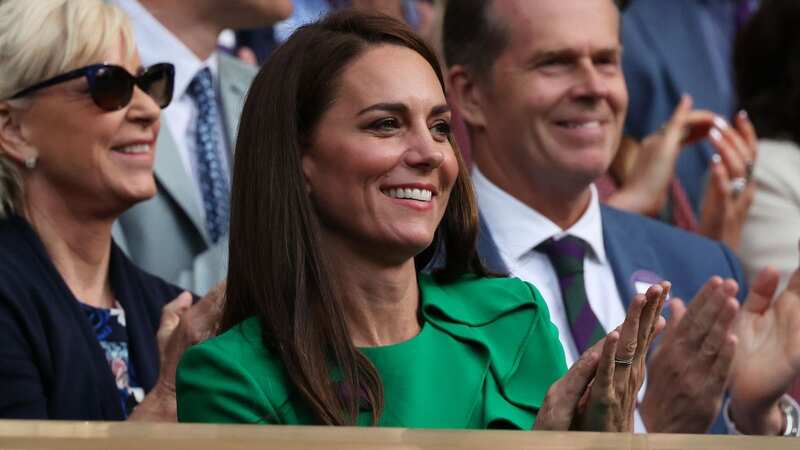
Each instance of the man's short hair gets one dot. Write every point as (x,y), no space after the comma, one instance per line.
(473,36)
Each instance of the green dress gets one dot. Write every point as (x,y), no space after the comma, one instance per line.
(485,357)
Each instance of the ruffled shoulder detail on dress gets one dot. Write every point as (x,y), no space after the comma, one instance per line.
(506,322)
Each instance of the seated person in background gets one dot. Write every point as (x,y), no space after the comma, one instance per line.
(83,332)
(363,186)
(541,89)
(679,47)
(641,178)
(192,170)
(768,86)
(255,45)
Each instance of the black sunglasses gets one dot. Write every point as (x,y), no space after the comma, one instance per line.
(111,86)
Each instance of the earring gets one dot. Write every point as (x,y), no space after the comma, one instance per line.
(30,162)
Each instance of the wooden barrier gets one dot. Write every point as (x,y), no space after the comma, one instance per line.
(45,435)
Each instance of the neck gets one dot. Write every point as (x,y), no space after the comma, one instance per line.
(188,23)
(381,301)
(79,245)
(558,199)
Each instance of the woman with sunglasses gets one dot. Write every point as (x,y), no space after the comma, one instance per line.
(84,334)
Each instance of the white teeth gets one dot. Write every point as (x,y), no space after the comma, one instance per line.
(422,195)
(592,124)
(133,149)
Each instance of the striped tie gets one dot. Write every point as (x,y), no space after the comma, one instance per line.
(566,255)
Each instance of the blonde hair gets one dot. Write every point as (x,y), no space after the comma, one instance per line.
(40,39)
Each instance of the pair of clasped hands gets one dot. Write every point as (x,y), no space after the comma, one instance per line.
(599,392)
(644,169)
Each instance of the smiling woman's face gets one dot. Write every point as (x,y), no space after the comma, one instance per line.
(95,160)
(379,166)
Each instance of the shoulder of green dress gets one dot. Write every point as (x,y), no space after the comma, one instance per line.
(235,360)
(474,300)
(241,347)
(240,340)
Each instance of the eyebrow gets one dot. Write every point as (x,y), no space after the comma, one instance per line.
(566,54)
(401,108)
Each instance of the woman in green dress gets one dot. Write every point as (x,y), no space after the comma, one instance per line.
(346,185)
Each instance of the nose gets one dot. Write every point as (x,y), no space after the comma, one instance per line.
(424,152)
(143,109)
(591,84)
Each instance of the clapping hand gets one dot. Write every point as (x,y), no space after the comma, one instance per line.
(599,392)
(182,325)
(768,356)
(730,191)
(689,370)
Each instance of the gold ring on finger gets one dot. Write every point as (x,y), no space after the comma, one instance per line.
(623,362)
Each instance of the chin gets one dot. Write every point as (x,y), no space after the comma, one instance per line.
(136,194)
(410,247)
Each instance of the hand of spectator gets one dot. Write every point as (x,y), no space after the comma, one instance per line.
(182,325)
(689,371)
(645,186)
(768,355)
(730,190)
(247,55)
(599,391)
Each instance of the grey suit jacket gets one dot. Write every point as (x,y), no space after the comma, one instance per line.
(166,235)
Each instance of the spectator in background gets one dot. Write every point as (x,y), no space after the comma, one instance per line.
(767,68)
(642,180)
(679,47)
(262,41)
(84,333)
(181,234)
(540,86)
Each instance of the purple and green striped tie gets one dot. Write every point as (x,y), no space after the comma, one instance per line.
(566,255)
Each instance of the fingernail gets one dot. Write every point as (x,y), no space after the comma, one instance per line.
(720,122)
(716,159)
(743,114)
(715,134)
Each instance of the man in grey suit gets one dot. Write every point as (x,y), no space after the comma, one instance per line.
(181,234)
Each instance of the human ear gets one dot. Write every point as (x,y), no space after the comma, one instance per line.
(12,140)
(466,95)
(307,166)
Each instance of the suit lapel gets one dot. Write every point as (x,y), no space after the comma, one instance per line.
(172,176)
(629,252)
(234,81)
(487,249)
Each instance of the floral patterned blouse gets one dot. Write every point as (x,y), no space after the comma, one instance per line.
(110,328)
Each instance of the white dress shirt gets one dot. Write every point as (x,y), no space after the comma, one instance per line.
(157,44)
(517,229)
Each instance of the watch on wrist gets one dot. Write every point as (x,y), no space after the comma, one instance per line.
(791,416)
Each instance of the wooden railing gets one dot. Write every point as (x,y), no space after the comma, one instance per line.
(123,436)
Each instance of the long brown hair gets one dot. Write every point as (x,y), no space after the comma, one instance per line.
(277,271)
